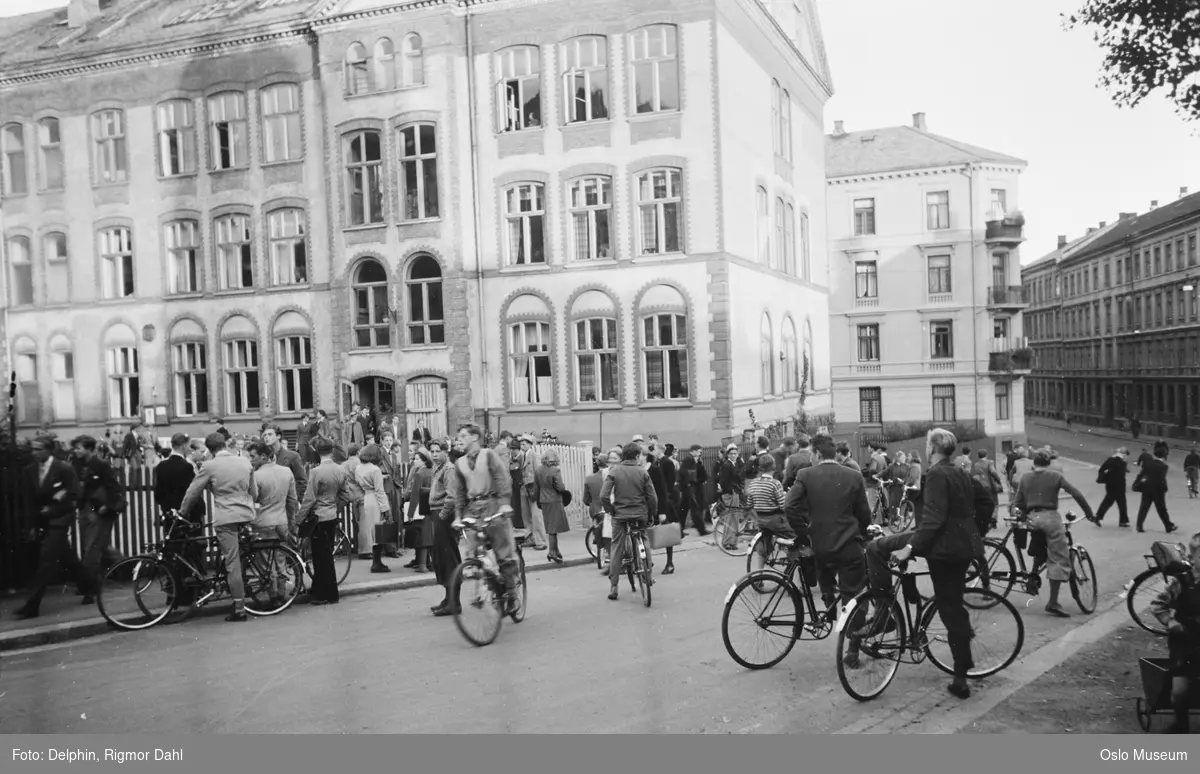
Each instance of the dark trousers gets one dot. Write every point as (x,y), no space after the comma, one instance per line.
(96,534)
(1159,499)
(949,581)
(1114,496)
(878,552)
(842,574)
(445,554)
(324,583)
(693,497)
(57,551)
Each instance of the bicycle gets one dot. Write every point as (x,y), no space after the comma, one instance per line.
(874,635)
(1148,584)
(159,577)
(1003,574)
(636,562)
(343,553)
(1192,474)
(900,518)
(732,525)
(489,595)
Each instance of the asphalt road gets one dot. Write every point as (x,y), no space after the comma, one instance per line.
(578,664)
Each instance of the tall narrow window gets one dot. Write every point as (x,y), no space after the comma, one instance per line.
(124,390)
(58,268)
(412,63)
(241,376)
(776,93)
(228,133)
(62,372)
(937,210)
(999,204)
(939,274)
(766,356)
(596,360)
(943,403)
(364,166)
(805,247)
(791,357)
(293,361)
(372,313)
(50,157)
(29,399)
(868,343)
(655,65)
(941,339)
(108,133)
(524,214)
(183,243)
(785,125)
(864,217)
(870,405)
(191,378)
(866,279)
(1003,403)
(660,211)
(235,252)
(664,348)
(789,241)
(12,145)
(176,138)
(519,88)
(385,65)
(289,251)
(591,214)
(20,261)
(585,79)
(358,77)
(777,253)
(418,171)
(530,364)
(426,317)
(116,262)
(281,123)
(763,225)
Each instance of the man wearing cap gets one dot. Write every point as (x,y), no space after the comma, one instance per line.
(230,479)
(531,513)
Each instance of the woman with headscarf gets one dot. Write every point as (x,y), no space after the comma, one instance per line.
(549,480)
(375,508)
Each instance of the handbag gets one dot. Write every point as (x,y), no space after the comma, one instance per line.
(308,525)
(566,497)
(664,536)
(387,532)
(1139,484)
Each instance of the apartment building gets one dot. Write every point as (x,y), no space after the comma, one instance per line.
(925,302)
(520,215)
(1118,332)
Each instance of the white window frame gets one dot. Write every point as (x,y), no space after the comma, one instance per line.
(423,285)
(182,239)
(294,363)
(933,336)
(422,166)
(286,236)
(518,72)
(805,247)
(240,364)
(384,65)
(937,210)
(124,385)
(235,249)
(189,360)
(412,62)
(584,62)
(653,348)
(791,358)
(20,271)
(869,343)
(108,136)
(777,253)
(866,283)
(520,354)
(358,70)
(654,47)
(364,180)
(864,216)
(380,333)
(587,351)
(227,117)
(867,396)
(943,272)
(1004,402)
(945,403)
(62,373)
(56,252)
(529,221)
(282,123)
(656,208)
(176,137)
(16,161)
(589,204)
(766,356)
(116,261)
(789,240)
(50,154)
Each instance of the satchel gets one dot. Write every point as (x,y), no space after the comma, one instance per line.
(387,532)
(308,525)
(1139,484)
(567,497)
(664,536)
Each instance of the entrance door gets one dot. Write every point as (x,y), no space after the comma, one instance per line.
(425,402)
(375,393)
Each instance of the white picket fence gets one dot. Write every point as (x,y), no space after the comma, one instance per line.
(575,462)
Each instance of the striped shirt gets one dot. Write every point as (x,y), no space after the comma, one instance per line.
(765,494)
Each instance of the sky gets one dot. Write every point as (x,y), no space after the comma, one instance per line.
(1007,77)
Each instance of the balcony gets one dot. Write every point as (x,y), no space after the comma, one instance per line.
(1009,358)
(1009,298)
(1005,231)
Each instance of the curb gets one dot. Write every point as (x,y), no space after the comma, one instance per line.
(93,627)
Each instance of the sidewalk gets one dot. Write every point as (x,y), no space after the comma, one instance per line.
(63,618)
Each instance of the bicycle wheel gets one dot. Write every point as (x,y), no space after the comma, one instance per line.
(870,645)
(906,512)
(478,613)
(274,575)
(1146,586)
(589,539)
(1083,579)
(729,535)
(518,615)
(997,634)
(642,565)
(137,593)
(343,555)
(768,608)
(1001,573)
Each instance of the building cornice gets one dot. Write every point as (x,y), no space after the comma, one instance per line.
(329,17)
(898,174)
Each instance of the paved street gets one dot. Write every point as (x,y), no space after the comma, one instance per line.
(579,663)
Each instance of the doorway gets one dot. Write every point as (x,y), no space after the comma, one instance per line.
(425,405)
(373,392)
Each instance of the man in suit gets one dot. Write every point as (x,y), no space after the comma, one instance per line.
(101,502)
(1112,475)
(304,436)
(230,479)
(530,512)
(827,508)
(421,434)
(284,457)
(352,429)
(275,499)
(54,487)
(693,476)
(799,460)
(1154,489)
(172,478)
(325,482)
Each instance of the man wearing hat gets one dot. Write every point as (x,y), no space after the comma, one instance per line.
(531,513)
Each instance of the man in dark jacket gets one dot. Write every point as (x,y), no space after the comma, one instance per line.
(785,450)
(1154,489)
(54,489)
(827,509)
(1112,475)
(173,476)
(101,501)
(273,436)
(799,460)
(692,478)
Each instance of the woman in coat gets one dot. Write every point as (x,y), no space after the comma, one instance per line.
(418,506)
(548,478)
(666,508)
(375,507)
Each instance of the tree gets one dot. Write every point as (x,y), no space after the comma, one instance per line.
(1149,46)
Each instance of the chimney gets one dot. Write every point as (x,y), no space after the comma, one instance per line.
(1062,241)
(1103,223)
(1127,215)
(1091,230)
(839,128)
(80,13)
(1154,204)
(1182,191)
(919,122)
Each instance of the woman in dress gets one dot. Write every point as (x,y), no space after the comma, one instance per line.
(419,480)
(550,486)
(375,508)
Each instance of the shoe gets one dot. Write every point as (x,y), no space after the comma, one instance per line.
(24,615)
(1094,520)
(1171,528)
(442,612)
(420,570)
(88,599)
(1125,524)
(381,568)
(1057,611)
(557,558)
(411,565)
(237,617)
(1139,529)
(439,606)
(669,570)
(961,690)
(612,593)
(319,602)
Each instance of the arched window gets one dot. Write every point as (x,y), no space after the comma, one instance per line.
(789,242)
(189,366)
(364,176)
(426,324)
(524,216)
(62,372)
(57,267)
(25,363)
(281,123)
(585,79)
(767,355)
(664,333)
(229,132)
(791,357)
(412,64)
(12,146)
(183,263)
(519,88)
(289,251)
(20,271)
(50,158)
(371,308)
(785,125)
(176,138)
(809,365)
(775,124)
(778,252)
(239,344)
(293,363)
(530,354)
(597,368)
(805,248)
(763,225)
(418,172)
(385,65)
(123,371)
(235,252)
(590,206)
(358,76)
(654,59)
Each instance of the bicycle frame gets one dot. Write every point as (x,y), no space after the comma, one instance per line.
(915,645)
(1023,571)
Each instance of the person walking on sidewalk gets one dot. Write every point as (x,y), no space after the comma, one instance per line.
(1152,483)
(1112,475)
(530,512)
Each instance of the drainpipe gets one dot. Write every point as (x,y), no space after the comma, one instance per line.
(6,360)
(474,137)
(970,173)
